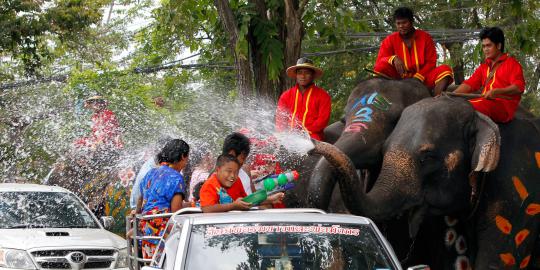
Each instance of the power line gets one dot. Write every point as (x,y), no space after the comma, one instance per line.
(375,48)
(146,70)
(434,33)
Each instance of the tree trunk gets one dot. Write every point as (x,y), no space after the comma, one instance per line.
(293,34)
(243,68)
(264,87)
(533,84)
(456,54)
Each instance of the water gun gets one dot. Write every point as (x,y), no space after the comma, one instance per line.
(272,184)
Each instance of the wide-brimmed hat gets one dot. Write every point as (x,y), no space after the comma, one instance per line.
(95,99)
(304,63)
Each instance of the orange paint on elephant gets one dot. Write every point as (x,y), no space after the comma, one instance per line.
(537,156)
(508,259)
(520,236)
(522,191)
(503,224)
(533,209)
(525,262)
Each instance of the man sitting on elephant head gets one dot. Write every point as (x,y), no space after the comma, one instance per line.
(410,53)
(499,78)
(305,105)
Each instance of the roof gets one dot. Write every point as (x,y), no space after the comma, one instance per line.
(300,215)
(30,188)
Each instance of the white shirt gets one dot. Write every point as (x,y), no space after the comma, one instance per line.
(246,181)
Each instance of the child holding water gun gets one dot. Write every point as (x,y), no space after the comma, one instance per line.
(214,196)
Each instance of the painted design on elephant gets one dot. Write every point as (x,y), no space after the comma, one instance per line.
(453,240)
(366,104)
(462,263)
(537,156)
(517,233)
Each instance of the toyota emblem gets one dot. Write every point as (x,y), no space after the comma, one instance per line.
(77,257)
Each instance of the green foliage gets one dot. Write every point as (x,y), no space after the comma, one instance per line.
(70,37)
(27,26)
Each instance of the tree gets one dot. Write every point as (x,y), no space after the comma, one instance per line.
(26,27)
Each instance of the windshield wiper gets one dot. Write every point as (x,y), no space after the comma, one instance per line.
(20,226)
(75,226)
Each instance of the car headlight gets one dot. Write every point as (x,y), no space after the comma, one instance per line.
(122,260)
(15,258)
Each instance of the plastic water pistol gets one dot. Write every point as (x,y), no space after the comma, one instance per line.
(272,184)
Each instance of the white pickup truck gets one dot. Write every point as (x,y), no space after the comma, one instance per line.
(48,227)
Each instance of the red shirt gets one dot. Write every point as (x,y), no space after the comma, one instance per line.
(310,111)
(419,60)
(105,128)
(508,72)
(209,191)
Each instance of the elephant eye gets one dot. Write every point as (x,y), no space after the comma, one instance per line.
(426,157)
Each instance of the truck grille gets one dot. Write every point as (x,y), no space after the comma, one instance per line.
(74,258)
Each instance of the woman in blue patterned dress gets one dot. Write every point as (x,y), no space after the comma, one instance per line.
(163,191)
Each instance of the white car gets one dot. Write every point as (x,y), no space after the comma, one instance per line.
(270,239)
(48,227)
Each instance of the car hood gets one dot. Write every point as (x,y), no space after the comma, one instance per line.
(37,238)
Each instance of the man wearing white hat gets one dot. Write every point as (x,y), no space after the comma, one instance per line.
(305,106)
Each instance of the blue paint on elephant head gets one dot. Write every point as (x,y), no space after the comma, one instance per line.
(366,104)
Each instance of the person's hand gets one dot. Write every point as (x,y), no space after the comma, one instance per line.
(276,198)
(241,205)
(492,94)
(257,173)
(400,66)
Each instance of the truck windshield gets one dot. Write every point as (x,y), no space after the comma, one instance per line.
(43,210)
(285,246)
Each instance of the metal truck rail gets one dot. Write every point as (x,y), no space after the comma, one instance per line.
(132,225)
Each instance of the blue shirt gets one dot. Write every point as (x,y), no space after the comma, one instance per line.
(159,186)
(135,191)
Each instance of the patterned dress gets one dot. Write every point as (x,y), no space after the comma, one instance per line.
(158,188)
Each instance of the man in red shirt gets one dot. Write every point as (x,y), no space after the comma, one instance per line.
(410,53)
(105,128)
(499,78)
(305,106)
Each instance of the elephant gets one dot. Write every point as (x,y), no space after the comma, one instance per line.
(441,154)
(372,110)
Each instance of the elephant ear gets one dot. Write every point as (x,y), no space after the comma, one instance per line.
(487,147)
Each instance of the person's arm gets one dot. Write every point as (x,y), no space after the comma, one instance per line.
(282,113)
(321,120)
(177,202)
(386,52)
(236,205)
(430,58)
(139,205)
(510,90)
(272,199)
(473,83)
(463,88)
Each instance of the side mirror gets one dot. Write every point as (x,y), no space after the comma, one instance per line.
(419,267)
(107,222)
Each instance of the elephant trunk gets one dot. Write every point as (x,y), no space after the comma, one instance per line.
(379,204)
(321,184)
(351,185)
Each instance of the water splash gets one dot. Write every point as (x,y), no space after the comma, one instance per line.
(298,143)
(40,123)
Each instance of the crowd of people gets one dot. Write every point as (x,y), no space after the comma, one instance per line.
(218,184)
